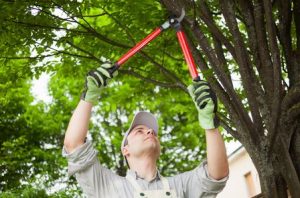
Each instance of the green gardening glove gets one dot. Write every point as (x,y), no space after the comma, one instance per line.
(206,103)
(96,80)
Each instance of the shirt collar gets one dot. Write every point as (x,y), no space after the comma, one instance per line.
(135,175)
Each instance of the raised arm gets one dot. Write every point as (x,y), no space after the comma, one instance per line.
(78,125)
(217,163)
(206,104)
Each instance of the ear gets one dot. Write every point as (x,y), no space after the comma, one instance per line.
(125,151)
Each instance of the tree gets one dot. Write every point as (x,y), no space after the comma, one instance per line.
(30,142)
(259,41)
(254,41)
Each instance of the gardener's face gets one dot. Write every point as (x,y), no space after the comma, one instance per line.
(142,140)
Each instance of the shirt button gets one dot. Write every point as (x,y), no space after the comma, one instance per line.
(168,193)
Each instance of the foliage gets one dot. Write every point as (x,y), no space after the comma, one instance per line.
(66,39)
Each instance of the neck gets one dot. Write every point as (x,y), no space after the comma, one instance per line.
(145,167)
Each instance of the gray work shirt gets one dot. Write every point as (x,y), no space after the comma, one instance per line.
(98,181)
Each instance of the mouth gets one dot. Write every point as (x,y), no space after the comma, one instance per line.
(150,138)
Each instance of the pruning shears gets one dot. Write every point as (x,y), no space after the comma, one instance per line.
(171,22)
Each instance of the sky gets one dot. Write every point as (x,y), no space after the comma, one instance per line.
(39,88)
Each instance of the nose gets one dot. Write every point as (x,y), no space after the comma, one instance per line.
(150,131)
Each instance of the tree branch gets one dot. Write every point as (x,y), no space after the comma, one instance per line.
(31,25)
(82,50)
(265,68)
(92,16)
(218,39)
(52,15)
(30,57)
(248,77)
(165,71)
(296,14)
(206,16)
(284,26)
(264,95)
(236,102)
(223,67)
(230,100)
(168,73)
(226,126)
(172,57)
(127,31)
(109,41)
(283,31)
(270,24)
(147,79)
(91,30)
(67,53)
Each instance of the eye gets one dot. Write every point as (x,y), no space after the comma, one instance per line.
(139,131)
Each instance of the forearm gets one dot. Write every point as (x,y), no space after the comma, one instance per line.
(217,162)
(78,126)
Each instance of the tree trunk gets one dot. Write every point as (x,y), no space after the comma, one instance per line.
(276,155)
(295,150)
(276,172)
(293,118)
(272,183)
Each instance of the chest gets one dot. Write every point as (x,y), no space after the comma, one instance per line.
(156,189)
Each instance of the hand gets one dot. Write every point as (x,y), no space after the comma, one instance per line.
(206,103)
(96,80)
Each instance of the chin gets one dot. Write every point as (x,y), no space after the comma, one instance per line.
(154,148)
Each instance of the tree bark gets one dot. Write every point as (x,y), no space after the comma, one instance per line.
(272,134)
(295,150)
(276,171)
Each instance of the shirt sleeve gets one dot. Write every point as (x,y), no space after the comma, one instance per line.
(93,178)
(198,183)
(81,158)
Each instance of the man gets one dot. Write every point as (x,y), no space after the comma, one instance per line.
(141,149)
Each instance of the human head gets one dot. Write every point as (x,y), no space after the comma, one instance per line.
(141,119)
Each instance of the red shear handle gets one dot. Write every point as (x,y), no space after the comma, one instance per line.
(139,46)
(187,55)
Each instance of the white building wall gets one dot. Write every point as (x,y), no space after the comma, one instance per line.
(239,165)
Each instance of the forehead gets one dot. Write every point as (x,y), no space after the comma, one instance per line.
(140,126)
(137,127)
